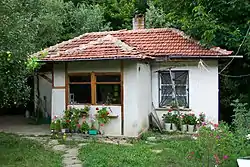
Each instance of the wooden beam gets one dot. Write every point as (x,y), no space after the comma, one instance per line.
(122,98)
(46,78)
(59,87)
(93,88)
(53,81)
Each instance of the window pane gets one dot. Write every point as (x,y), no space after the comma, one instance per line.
(166,90)
(85,78)
(180,77)
(181,90)
(182,100)
(108,94)
(165,100)
(165,78)
(108,78)
(80,93)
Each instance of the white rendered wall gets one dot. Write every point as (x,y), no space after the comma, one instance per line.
(203,87)
(58,102)
(144,96)
(45,89)
(59,74)
(131,123)
(58,94)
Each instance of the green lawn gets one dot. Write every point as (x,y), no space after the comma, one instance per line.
(18,152)
(174,154)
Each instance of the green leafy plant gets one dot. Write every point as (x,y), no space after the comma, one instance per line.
(191,119)
(167,118)
(85,127)
(52,125)
(102,115)
(184,119)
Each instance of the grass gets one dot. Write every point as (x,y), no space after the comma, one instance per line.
(18,152)
(174,154)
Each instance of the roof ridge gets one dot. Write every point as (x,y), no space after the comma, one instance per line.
(108,37)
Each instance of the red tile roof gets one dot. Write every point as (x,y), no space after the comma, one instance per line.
(133,44)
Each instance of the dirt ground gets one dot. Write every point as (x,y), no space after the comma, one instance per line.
(18,124)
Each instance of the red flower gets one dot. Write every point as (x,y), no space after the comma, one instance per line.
(101,124)
(107,113)
(67,121)
(78,125)
(97,108)
(225,157)
(216,159)
(192,153)
(169,110)
(216,125)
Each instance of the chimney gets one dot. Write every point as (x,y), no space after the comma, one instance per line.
(138,22)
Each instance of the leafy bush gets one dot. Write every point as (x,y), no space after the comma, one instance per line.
(219,146)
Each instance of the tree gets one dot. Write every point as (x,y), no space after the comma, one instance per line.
(28,26)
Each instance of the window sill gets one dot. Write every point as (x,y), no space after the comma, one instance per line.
(113,116)
(169,108)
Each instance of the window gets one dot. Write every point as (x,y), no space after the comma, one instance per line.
(95,88)
(166,93)
(80,89)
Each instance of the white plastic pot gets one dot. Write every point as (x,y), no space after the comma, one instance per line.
(184,128)
(174,127)
(168,127)
(190,128)
(244,162)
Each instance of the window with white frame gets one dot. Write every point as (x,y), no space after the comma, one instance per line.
(166,91)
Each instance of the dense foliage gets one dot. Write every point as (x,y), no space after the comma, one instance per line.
(30,25)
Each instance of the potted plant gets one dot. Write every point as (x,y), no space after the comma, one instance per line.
(92,130)
(102,115)
(64,126)
(72,126)
(184,119)
(84,127)
(167,118)
(52,126)
(191,122)
(175,121)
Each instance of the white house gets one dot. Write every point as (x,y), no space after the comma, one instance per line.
(128,71)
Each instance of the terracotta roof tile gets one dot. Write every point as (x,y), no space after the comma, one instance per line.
(138,44)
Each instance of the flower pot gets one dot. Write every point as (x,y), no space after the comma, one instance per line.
(63,130)
(190,128)
(168,126)
(174,127)
(93,132)
(184,128)
(243,162)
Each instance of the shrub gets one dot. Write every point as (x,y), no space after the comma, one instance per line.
(218,146)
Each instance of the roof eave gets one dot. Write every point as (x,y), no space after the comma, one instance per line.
(95,59)
(197,57)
